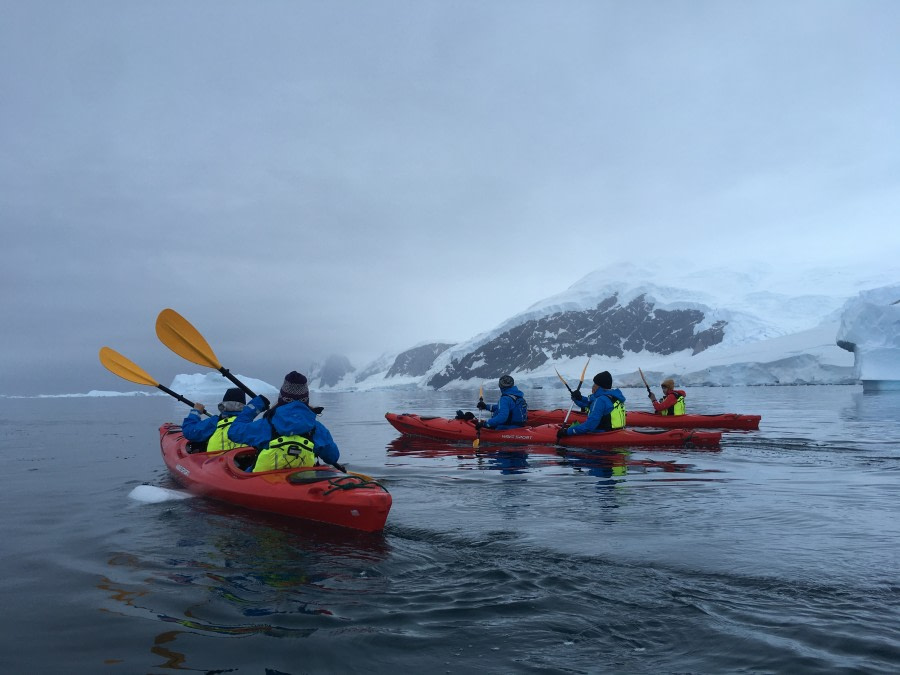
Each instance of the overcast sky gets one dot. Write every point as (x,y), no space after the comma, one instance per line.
(357,177)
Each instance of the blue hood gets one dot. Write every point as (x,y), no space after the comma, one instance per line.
(513,391)
(615,393)
(294,418)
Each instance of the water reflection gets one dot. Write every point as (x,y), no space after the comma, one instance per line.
(610,465)
(239,567)
(875,406)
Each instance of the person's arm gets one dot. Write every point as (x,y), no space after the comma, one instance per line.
(325,448)
(197,429)
(666,403)
(600,406)
(501,413)
(580,399)
(247,432)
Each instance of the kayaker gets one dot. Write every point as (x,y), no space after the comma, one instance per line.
(510,412)
(606,408)
(214,430)
(288,435)
(672,402)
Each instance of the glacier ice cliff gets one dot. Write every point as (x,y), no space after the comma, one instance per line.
(870,329)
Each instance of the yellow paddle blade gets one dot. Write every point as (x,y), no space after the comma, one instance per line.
(584,370)
(117,364)
(476,443)
(561,379)
(176,333)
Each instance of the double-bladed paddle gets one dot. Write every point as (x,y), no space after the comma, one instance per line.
(177,333)
(578,388)
(117,364)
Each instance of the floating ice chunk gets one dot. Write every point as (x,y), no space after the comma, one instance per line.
(151,494)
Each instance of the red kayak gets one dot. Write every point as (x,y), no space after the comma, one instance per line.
(648,419)
(319,493)
(445,429)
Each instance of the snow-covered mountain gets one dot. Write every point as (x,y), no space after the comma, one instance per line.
(403,369)
(718,326)
(713,327)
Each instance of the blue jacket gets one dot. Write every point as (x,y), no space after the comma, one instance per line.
(509,412)
(600,406)
(199,430)
(288,419)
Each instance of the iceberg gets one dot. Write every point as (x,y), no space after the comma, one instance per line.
(209,388)
(870,328)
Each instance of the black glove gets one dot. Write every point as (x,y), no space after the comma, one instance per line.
(561,433)
(481,405)
(318,410)
(576,395)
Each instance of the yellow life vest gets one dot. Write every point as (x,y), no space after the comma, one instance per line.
(286,452)
(219,440)
(677,409)
(617,416)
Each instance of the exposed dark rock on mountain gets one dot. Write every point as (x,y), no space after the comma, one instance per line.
(610,329)
(335,367)
(416,361)
(844,344)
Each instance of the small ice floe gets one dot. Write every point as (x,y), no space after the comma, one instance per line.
(151,494)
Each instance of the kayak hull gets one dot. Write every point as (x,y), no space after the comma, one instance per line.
(463,431)
(321,493)
(638,418)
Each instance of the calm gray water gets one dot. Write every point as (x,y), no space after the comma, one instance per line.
(778,553)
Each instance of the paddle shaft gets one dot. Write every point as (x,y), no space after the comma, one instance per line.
(243,387)
(477,440)
(649,393)
(179,397)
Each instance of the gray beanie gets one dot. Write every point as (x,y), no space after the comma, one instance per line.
(506,381)
(232,401)
(294,388)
